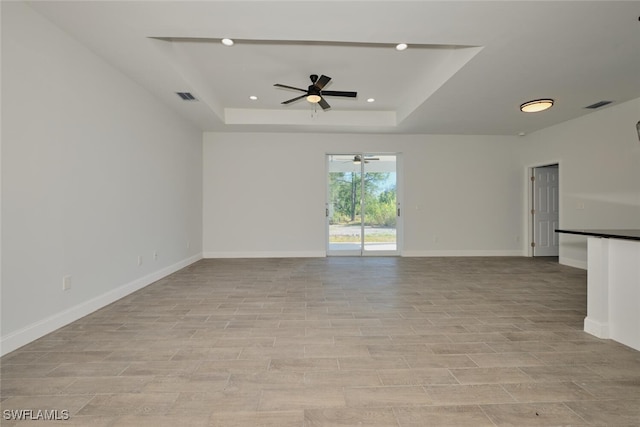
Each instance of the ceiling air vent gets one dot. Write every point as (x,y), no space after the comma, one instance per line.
(186,96)
(598,104)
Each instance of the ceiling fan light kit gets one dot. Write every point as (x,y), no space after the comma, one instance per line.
(315,93)
(536,105)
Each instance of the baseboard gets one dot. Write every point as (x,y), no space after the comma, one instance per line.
(462,253)
(36,330)
(598,329)
(322,254)
(573,263)
(267,254)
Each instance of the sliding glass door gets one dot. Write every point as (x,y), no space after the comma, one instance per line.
(362,209)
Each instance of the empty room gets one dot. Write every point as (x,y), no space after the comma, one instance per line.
(314,213)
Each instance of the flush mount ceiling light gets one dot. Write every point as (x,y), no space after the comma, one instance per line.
(371,100)
(253,98)
(536,105)
(227,42)
(401,46)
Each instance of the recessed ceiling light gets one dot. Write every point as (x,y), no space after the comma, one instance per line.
(253,98)
(371,100)
(227,42)
(401,46)
(536,105)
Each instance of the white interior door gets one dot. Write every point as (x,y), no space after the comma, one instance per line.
(546,211)
(362,209)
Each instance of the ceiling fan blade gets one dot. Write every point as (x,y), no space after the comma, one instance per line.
(290,87)
(322,81)
(294,99)
(339,93)
(324,104)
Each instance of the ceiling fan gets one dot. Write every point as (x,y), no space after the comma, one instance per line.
(314,92)
(357,159)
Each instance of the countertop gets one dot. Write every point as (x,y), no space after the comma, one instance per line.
(631,234)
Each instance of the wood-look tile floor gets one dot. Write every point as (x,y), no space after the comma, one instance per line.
(335,342)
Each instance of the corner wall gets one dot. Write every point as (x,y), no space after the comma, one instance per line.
(599,156)
(96,175)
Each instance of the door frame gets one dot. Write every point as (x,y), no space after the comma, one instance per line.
(399,210)
(530,232)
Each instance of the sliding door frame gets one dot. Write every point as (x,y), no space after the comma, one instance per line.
(362,250)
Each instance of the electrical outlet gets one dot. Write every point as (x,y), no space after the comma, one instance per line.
(66,283)
(155,255)
(139,259)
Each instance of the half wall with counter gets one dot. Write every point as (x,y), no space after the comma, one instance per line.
(613,284)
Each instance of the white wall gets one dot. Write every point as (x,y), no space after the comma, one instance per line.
(264,193)
(95,172)
(599,156)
